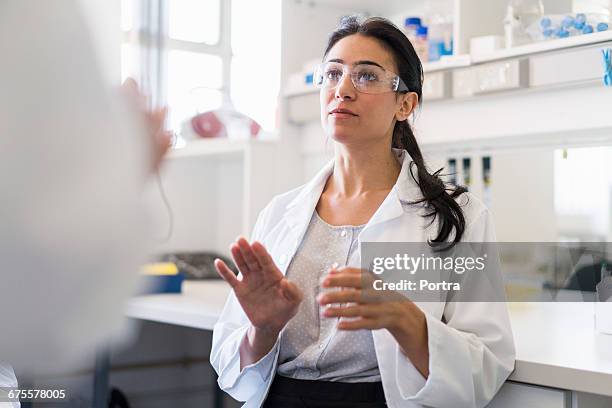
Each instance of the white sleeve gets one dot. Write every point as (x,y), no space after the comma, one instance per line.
(471,355)
(72,166)
(228,333)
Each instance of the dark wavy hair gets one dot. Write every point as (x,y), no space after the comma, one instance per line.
(438,196)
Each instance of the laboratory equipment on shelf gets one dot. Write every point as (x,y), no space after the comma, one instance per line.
(467,172)
(452,171)
(411,26)
(519,27)
(421,45)
(563,26)
(439,18)
(601,8)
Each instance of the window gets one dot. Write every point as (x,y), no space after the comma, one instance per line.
(583,189)
(196,21)
(186,56)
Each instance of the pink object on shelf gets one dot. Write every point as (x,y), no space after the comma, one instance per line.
(208,125)
(221,123)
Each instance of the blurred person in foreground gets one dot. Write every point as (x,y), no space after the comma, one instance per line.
(74,159)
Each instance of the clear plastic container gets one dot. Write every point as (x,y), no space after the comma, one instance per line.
(440,25)
(600,7)
(599,13)
(421,45)
(521,15)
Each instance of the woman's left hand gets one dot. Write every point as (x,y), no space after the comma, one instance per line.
(371,309)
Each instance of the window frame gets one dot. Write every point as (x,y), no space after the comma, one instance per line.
(155,18)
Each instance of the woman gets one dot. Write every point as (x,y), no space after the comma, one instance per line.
(278,343)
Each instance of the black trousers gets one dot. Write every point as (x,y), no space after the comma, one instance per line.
(289,393)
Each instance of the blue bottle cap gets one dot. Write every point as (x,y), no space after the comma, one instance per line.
(587,29)
(548,32)
(564,34)
(581,18)
(422,31)
(412,21)
(602,27)
(545,22)
(579,25)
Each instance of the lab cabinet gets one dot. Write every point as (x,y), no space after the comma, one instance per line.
(215,190)
(514,395)
(437,85)
(568,67)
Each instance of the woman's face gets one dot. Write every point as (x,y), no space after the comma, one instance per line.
(372,116)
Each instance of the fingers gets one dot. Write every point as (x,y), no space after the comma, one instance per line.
(248,255)
(360,324)
(130,89)
(342,296)
(130,86)
(239,260)
(262,255)
(252,258)
(226,273)
(345,277)
(353,310)
(162,143)
(359,317)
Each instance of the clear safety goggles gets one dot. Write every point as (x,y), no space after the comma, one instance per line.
(366,78)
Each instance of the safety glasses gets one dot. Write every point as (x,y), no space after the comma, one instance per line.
(366,78)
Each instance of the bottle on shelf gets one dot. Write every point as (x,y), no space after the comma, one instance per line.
(440,24)
(421,44)
(411,26)
(521,22)
(467,172)
(452,171)
(486,180)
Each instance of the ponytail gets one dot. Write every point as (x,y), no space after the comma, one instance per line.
(439,199)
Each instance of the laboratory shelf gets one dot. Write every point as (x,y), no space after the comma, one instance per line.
(215,147)
(371,6)
(465,61)
(456,61)
(300,90)
(544,46)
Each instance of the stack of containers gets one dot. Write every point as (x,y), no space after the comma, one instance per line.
(440,19)
(434,41)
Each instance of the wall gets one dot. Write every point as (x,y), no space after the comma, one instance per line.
(523,196)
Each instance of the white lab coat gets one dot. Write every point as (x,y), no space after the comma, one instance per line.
(470,356)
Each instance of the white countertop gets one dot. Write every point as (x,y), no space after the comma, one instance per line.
(198,306)
(557,346)
(556,343)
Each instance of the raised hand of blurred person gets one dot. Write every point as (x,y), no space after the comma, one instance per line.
(154,122)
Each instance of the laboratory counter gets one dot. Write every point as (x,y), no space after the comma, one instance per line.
(557,346)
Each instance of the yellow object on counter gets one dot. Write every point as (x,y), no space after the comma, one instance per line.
(159,269)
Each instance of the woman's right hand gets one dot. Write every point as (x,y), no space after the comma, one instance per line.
(267,297)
